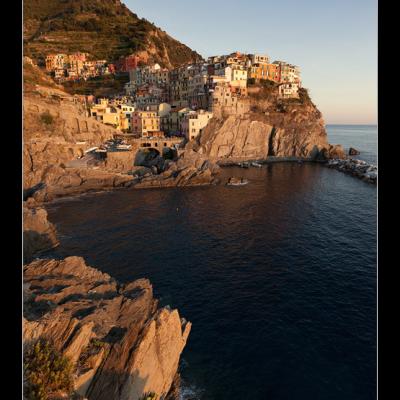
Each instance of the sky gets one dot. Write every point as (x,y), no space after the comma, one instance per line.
(333,42)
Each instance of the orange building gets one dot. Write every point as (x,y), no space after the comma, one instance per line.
(273,72)
(264,71)
(258,71)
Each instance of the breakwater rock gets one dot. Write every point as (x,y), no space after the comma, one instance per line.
(121,344)
(358,168)
(353,151)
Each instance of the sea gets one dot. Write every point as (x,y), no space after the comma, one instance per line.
(278,277)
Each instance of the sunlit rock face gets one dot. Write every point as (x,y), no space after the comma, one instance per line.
(120,343)
(261,125)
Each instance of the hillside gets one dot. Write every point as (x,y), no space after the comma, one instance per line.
(106,29)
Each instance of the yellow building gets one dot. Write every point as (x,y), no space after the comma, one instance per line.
(112,118)
(100,109)
(239,77)
(124,122)
(143,123)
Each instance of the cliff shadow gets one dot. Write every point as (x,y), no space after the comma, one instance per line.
(32,190)
(107,385)
(35,243)
(271,142)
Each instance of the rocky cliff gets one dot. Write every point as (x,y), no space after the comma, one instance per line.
(121,344)
(262,125)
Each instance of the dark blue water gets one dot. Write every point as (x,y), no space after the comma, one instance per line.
(278,277)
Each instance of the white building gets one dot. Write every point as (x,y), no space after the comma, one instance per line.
(259,59)
(289,90)
(235,75)
(194,122)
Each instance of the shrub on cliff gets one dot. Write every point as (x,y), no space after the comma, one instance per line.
(46,118)
(304,96)
(149,396)
(46,371)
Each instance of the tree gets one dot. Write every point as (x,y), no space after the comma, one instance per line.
(46,371)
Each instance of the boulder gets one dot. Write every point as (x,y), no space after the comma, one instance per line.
(353,151)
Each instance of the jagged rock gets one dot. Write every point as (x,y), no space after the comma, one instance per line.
(120,343)
(336,151)
(39,234)
(353,151)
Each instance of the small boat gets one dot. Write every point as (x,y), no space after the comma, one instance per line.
(124,147)
(244,165)
(256,164)
(237,181)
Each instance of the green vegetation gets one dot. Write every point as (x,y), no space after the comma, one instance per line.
(99,86)
(47,118)
(46,371)
(267,83)
(104,29)
(304,96)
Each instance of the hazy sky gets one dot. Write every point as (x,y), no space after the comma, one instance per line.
(333,41)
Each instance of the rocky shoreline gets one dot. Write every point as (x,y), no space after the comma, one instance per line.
(357,168)
(181,173)
(116,337)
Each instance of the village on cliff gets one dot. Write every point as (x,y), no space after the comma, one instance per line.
(177,103)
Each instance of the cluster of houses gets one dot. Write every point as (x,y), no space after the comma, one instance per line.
(181,102)
(76,66)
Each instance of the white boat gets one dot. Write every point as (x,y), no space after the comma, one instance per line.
(237,182)
(256,164)
(91,149)
(124,147)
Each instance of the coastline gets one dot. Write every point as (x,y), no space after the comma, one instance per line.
(356,168)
